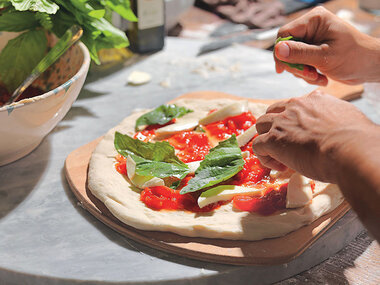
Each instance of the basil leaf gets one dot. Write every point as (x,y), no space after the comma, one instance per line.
(4,3)
(17,21)
(20,56)
(223,162)
(123,8)
(161,115)
(46,6)
(152,159)
(298,66)
(45,20)
(57,16)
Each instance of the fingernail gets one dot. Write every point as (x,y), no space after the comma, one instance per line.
(283,50)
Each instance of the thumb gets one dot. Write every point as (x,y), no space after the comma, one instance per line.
(298,52)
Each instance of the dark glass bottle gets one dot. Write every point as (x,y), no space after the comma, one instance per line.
(147,35)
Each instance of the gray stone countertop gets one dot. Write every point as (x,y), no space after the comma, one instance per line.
(47,238)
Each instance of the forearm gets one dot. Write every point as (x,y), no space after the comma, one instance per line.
(359,176)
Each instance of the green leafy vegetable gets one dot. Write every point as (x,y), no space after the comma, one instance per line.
(292,65)
(161,115)
(57,16)
(17,21)
(20,56)
(122,7)
(45,6)
(152,159)
(223,162)
(45,20)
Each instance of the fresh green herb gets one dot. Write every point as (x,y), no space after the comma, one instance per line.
(21,54)
(152,159)
(161,115)
(18,21)
(223,162)
(292,65)
(35,5)
(57,16)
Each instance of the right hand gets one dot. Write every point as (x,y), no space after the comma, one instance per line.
(316,135)
(331,46)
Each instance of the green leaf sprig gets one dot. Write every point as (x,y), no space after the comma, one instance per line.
(292,65)
(223,161)
(161,115)
(152,159)
(55,16)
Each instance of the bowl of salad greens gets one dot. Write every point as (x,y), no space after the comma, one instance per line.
(28,29)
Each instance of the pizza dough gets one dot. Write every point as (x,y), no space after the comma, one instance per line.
(123,199)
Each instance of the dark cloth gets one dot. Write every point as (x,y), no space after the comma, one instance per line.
(253,13)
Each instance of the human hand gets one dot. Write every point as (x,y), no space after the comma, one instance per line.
(309,134)
(329,45)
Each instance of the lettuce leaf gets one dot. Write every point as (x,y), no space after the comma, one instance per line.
(122,7)
(223,162)
(16,21)
(298,66)
(45,6)
(152,159)
(20,56)
(161,115)
(59,15)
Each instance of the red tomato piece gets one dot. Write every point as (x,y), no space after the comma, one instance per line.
(192,146)
(120,165)
(252,173)
(165,198)
(269,203)
(232,125)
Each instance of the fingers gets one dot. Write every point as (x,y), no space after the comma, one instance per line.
(320,79)
(309,73)
(264,123)
(277,107)
(299,52)
(271,163)
(259,147)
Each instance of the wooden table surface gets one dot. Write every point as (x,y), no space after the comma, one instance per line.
(359,262)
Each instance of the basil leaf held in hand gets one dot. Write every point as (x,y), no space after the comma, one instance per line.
(161,115)
(223,162)
(292,65)
(152,159)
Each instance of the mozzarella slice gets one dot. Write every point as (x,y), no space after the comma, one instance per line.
(299,191)
(233,109)
(187,122)
(226,192)
(193,166)
(139,78)
(138,180)
(183,125)
(245,137)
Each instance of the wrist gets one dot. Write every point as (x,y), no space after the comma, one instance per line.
(346,149)
(372,56)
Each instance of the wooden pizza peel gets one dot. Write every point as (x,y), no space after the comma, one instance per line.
(264,252)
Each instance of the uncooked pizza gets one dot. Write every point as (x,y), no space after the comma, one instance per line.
(189,168)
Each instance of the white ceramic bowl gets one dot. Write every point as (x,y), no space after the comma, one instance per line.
(23,125)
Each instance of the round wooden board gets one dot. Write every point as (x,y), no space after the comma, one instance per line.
(264,252)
